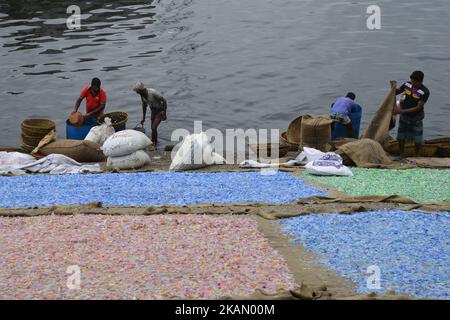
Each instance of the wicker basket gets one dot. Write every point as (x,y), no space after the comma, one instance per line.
(426,150)
(440,141)
(31,140)
(37,127)
(294,130)
(285,142)
(27,148)
(443,151)
(266,149)
(118,119)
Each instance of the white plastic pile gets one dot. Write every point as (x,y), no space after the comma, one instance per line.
(101,133)
(17,163)
(126,150)
(12,162)
(195,152)
(315,162)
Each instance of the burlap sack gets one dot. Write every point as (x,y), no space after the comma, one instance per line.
(378,128)
(316,133)
(79,150)
(49,138)
(366,153)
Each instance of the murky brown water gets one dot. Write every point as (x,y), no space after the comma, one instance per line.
(232,64)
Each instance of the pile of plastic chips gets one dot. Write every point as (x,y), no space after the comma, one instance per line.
(407,252)
(143,189)
(417,184)
(137,257)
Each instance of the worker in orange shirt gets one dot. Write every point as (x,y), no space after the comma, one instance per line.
(95,99)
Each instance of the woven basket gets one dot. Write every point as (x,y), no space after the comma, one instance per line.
(31,140)
(316,132)
(123,116)
(294,130)
(443,151)
(37,127)
(426,150)
(441,140)
(285,142)
(27,148)
(266,149)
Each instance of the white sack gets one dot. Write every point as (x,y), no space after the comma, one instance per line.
(308,155)
(101,133)
(124,143)
(328,165)
(195,152)
(135,160)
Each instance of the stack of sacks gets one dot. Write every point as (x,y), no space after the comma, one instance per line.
(126,150)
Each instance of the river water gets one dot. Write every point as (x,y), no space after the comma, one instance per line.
(229,63)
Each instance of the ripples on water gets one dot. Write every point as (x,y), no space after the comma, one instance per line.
(232,64)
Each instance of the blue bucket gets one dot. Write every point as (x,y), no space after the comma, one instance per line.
(340,131)
(79,133)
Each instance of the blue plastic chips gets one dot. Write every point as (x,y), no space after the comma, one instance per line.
(410,250)
(142,189)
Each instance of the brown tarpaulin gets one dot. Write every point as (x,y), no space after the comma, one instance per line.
(435,163)
(349,205)
(339,204)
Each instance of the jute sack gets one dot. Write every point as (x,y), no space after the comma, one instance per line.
(365,153)
(378,128)
(78,150)
(316,133)
(49,138)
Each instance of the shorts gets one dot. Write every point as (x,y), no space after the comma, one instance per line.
(410,129)
(341,118)
(155,113)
